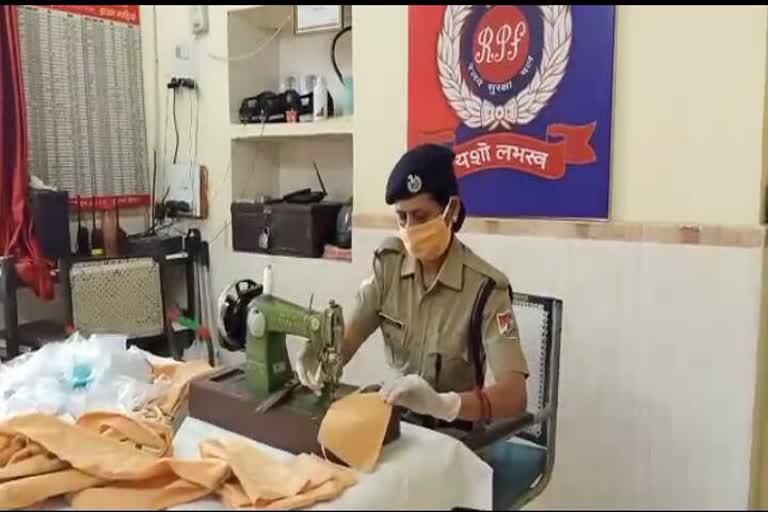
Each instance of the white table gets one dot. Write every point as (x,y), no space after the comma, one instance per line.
(423,470)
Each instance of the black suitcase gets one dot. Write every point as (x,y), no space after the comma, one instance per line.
(284,228)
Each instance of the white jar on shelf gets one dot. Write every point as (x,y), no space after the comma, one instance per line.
(320,100)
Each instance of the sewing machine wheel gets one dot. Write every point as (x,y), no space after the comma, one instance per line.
(233,308)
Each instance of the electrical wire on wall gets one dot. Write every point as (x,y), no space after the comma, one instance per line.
(259,48)
(160,171)
(227,175)
(194,166)
(175,127)
(165,138)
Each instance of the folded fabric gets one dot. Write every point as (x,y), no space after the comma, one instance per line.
(262,478)
(110,461)
(179,375)
(107,460)
(156,493)
(274,485)
(149,436)
(32,490)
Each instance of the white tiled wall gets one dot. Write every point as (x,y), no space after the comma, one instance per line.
(658,359)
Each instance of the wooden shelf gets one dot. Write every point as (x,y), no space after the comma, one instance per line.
(278,257)
(333,127)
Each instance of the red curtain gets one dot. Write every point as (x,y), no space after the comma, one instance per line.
(15,221)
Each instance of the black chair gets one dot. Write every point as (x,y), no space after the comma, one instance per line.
(16,337)
(521,450)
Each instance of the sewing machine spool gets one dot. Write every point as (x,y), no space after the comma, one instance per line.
(222,399)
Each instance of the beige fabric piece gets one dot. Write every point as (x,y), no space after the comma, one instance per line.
(139,480)
(322,480)
(233,495)
(180,375)
(261,477)
(353,429)
(154,494)
(29,473)
(86,450)
(25,492)
(152,437)
(325,492)
(20,458)
(315,470)
(35,465)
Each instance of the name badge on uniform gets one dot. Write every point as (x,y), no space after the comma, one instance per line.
(386,319)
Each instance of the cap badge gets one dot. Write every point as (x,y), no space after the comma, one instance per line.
(414,183)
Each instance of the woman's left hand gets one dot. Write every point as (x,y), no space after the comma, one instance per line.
(414,393)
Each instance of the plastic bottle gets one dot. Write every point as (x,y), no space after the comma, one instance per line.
(320,100)
(267,280)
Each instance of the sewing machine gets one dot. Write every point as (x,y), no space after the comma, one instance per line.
(262,399)
(269,320)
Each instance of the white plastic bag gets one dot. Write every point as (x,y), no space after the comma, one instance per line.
(197,351)
(76,376)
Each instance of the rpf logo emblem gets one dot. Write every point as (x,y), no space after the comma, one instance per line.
(499,65)
(413,183)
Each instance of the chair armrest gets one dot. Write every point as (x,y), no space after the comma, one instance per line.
(504,429)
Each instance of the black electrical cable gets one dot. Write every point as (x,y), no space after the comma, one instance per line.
(333,52)
(175,128)
(155,222)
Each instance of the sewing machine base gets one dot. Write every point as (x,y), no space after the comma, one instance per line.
(222,399)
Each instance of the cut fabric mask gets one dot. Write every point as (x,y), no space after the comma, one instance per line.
(354,427)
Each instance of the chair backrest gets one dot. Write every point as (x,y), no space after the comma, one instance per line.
(539,321)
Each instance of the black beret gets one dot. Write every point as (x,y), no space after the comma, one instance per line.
(424,169)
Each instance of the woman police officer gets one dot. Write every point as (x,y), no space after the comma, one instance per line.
(443,311)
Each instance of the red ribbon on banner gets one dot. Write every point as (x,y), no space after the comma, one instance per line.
(543,158)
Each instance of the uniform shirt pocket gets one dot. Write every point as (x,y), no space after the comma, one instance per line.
(449,371)
(394,333)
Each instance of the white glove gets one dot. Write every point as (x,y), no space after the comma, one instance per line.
(414,393)
(308,368)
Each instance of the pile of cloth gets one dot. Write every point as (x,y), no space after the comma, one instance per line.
(108,460)
(121,457)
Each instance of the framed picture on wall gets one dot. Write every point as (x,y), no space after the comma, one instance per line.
(317,18)
(523,94)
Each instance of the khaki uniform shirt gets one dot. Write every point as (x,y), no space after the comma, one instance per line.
(418,323)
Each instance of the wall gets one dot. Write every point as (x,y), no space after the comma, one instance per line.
(685,130)
(660,330)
